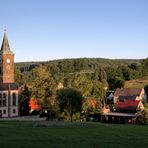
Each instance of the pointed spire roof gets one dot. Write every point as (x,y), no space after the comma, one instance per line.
(5,48)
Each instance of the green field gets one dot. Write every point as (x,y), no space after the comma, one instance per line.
(33,134)
(138,83)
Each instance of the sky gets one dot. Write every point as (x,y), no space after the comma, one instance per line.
(42,30)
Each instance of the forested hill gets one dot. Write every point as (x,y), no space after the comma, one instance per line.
(28,66)
(92,77)
(105,72)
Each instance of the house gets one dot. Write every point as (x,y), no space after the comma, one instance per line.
(129,99)
(129,93)
(131,106)
(9,92)
(109,97)
(127,102)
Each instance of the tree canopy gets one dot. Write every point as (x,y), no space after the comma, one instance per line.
(69,100)
(91,76)
(41,86)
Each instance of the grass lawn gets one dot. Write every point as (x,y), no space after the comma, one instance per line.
(43,134)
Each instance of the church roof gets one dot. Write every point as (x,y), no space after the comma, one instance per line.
(7,86)
(5,48)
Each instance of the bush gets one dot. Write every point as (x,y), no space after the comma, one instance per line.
(142,117)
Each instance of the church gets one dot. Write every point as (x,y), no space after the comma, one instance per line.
(9,92)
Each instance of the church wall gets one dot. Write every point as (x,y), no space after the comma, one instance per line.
(9,99)
(11,108)
(8,68)
(4,111)
(14,107)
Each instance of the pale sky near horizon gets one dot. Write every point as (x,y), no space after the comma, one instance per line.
(41,30)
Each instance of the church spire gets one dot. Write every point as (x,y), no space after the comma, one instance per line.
(5,48)
(5,43)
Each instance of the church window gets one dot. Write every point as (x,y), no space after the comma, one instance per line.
(14,99)
(4,111)
(0,99)
(14,111)
(4,95)
(0,70)
(4,99)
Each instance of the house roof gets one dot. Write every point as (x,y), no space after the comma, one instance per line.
(127,97)
(127,105)
(7,86)
(128,92)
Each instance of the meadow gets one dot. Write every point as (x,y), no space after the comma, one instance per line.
(47,134)
(137,83)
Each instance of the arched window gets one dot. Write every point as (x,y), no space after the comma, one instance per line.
(4,95)
(0,99)
(14,99)
(4,99)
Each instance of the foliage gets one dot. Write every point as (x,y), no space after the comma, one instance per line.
(146,90)
(41,86)
(145,66)
(24,101)
(146,105)
(142,117)
(18,76)
(70,101)
(91,76)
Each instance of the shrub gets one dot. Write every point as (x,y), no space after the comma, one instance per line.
(142,117)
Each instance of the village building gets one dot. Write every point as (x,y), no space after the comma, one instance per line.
(127,103)
(130,93)
(9,94)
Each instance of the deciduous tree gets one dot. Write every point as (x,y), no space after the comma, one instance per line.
(69,99)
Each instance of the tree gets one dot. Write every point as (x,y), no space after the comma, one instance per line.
(69,100)
(41,86)
(142,117)
(119,83)
(24,101)
(146,90)
(127,72)
(18,76)
(145,66)
(116,82)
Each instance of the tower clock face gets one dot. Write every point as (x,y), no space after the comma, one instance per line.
(8,60)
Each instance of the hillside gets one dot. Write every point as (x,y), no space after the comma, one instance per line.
(108,72)
(27,66)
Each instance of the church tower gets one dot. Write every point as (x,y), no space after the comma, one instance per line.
(6,62)
(9,96)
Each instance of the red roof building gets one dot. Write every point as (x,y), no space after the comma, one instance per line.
(129,106)
(129,93)
(129,99)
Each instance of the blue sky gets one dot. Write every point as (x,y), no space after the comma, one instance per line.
(40,30)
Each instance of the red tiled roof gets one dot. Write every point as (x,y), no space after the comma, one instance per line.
(128,105)
(128,92)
